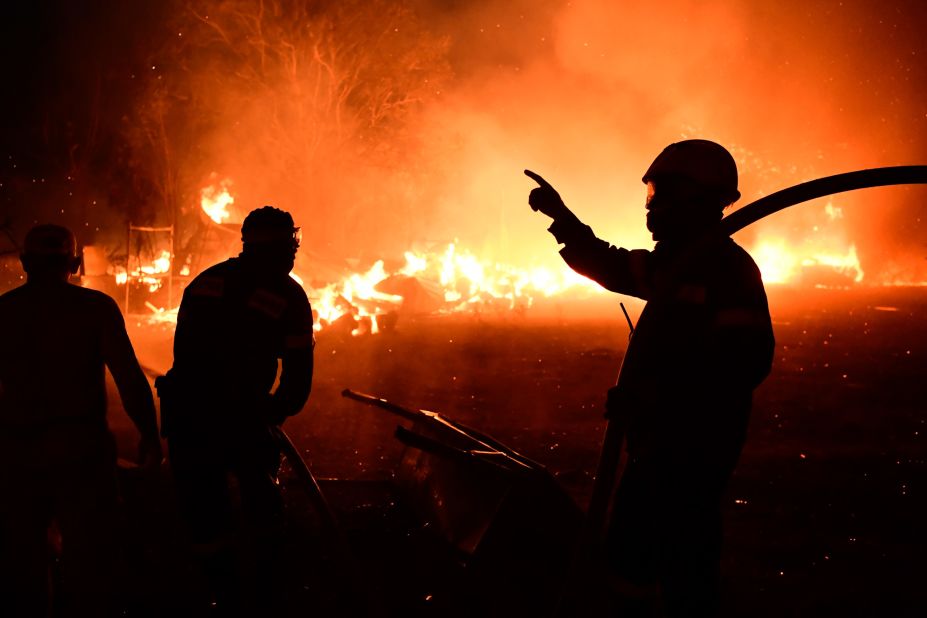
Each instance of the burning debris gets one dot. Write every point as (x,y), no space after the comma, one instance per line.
(146,273)
(452,279)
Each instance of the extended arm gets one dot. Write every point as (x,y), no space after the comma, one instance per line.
(616,269)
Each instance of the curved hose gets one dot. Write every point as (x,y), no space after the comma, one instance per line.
(876,177)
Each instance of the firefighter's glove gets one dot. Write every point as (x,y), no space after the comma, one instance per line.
(545,198)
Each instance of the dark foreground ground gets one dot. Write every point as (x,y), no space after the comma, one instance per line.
(825,515)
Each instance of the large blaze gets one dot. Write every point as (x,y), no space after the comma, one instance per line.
(449,280)
(455,279)
(387,127)
(396,132)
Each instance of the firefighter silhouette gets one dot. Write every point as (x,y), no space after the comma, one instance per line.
(703,343)
(56,452)
(237,319)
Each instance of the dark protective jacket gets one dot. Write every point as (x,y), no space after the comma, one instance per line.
(235,322)
(703,342)
(57,339)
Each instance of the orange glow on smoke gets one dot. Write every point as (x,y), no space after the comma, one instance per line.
(419,135)
(383,125)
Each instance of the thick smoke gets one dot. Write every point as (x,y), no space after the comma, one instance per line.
(390,125)
(593,94)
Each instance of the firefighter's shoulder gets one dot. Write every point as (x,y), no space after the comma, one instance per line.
(211,282)
(731,260)
(294,292)
(297,301)
(299,319)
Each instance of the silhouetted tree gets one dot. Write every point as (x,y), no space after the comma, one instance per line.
(295,101)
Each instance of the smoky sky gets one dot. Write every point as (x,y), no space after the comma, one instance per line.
(584,92)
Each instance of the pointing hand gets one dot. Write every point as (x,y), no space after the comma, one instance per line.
(544,198)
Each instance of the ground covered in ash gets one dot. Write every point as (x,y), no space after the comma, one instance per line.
(825,513)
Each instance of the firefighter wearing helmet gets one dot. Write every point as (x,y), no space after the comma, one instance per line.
(702,344)
(56,452)
(237,321)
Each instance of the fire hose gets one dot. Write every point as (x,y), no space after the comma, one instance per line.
(355,597)
(829,185)
(310,485)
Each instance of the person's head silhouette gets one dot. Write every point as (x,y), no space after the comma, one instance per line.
(270,239)
(688,186)
(50,253)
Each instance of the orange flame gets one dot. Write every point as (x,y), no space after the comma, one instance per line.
(780,263)
(215,200)
(824,257)
(147,274)
(461,281)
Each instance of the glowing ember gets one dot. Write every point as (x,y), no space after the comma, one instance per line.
(215,200)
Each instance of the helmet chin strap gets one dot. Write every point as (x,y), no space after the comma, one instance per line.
(829,185)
